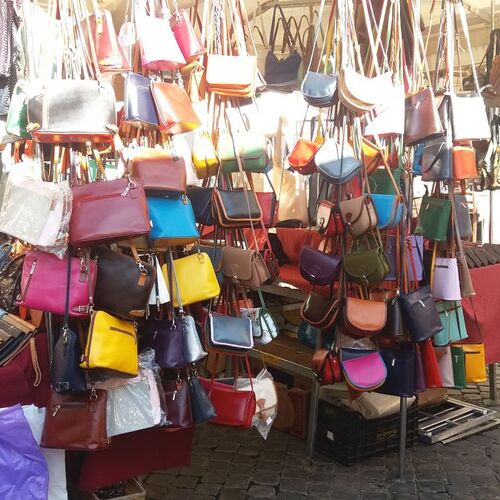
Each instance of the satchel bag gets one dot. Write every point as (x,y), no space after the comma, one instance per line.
(364,318)
(106,212)
(434,218)
(233,76)
(389,116)
(389,209)
(326,367)
(301,158)
(458,363)
(233,210)
(201,201)
(367,266)
(139,107)
(204,156)
(364,370)
(317,267)
(329,219)
(229,334)
(166,338)
(420,314)
(250,147)
(430,363)
(475,363)
(359,215)
(76,421)
(160,171)
(452,318)
(320,311)
(400,365)
(67,111)
(192,347)
(176,114)
(468,118)
(111,345)
(446,281)
(244,267)
(436,160)
(186,36)
(201,406)
(179,411)
(319,89)
(43,284)
(123,285)
(336,162)
(172,221)
(464,163)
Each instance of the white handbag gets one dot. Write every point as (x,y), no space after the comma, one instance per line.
(445,363)
(389,117)
(446,281)
(159,292)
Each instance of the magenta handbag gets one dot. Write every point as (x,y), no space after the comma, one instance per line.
(364,369)
(446,281)
(185,35)
(43,283)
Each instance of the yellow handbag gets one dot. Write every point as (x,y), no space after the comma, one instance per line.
(204,156)
(475,363)
(195,277)
(111,344)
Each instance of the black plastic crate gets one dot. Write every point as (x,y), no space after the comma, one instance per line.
(347,437)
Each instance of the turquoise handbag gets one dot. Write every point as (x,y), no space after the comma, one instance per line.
(389,208)
(172,221)
(452,317)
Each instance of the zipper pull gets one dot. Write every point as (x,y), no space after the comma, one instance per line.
(55,410)
(143,274)
(33,267)
(173,395)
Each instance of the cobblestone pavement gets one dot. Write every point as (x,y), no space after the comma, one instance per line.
(232,464)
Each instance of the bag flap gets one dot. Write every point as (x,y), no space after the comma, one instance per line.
(366,315)
(319,85)
(230,331)
(318,266)
(303,152)
(238,263)
(336,161)
(422,295)
(365,372)
(363,262)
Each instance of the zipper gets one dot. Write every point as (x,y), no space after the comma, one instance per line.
(70,405)
(120,330)
(89,199)
(86,356)
(30,277)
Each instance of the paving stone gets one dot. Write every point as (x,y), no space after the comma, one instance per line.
(296,485)
(208,489)
(199,496)
(271,467)
(186,482)
(261,492)
(214,477)
(292,471)
(432,486)
(458,496)
(156,492)
(483,480)
(377,496)
(160,480)
(403,487)
(200,460)
(320,477)
(238,481)
(272,456)
(315,488)
(266,478)
(178,494)
(292,496)
(193,470)
(230,494)
(244,460)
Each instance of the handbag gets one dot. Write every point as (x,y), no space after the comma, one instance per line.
(186,36)
(204,156)
(430,364)
(176,114)
(301,158)
(392,247)
(202,408)
(422,120)
(245,267)
(468,118)
(15,335)
(159,293)
(10,283)
(359,214)
(363,369)
(72,111)
(452,318)
(336,162)
(139,107)
(364,318)
(400,365)
(317,267)
(172,221)
(17,117)
(420,314)
(233,210)
(105,212)
(319,89)
(329,219)
(475,363)
(388,117)
(366,266)
(394,326)
(192,348)
(269,206)
(264,328)
(123,284)
(458,363)
(215,254)
(326,367)
(204,287)
(434,218)
(446,282)
(462,216)
(420,385)
(233,76)
(179,411)
(445,364)
(43,283)
(160,171)
(464,163)
(166,338)
(111,345)
(201,201)
(76,421)
(229,334)
(389,209)
(250,147)
(320,311)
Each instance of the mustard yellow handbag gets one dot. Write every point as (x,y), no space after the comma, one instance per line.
(204,156)
(195,277)
(475,363)
(111,344)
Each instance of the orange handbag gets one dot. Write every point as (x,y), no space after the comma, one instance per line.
(372,156)
(301,159)
(464,163)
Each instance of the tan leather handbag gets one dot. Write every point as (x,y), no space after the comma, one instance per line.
(244,267)
(364,318)
(359,215)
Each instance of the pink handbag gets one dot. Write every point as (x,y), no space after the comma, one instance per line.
(364,370)
(446,282)
(43,283)
(159,48)
(185,35)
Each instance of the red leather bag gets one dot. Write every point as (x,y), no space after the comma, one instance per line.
(105,212)
(269,206)
(43,283)
(326,367)
(186,36)
(301,159)
(430,364)
(329,219)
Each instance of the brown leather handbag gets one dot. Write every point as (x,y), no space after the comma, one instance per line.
(422,120)
(76,421)
(464,163)
(160,170)
(105,212)
(359,215)
(326,367)
(364,318)
(245,267)
(320,311)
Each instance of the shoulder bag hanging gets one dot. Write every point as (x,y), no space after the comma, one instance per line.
(139,107)
(179,411)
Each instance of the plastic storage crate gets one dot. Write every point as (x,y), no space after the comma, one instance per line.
(347,437)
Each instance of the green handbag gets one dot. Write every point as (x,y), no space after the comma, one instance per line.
(380,182)
(458,362)
(17,118)
(452,317)
(252,148)
(367,266)
(434,218)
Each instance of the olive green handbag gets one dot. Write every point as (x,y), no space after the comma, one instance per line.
(458,362)
(17,118)
(250,146)
(434,218)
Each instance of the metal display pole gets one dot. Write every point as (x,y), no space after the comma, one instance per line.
(402,436)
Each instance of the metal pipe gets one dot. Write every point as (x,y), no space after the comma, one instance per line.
(402,436)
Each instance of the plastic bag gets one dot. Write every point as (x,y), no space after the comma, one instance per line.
(23,470)
(266,397)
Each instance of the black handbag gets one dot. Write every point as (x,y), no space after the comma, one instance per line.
(166,338)
(10,282)
(229,334)
(202,408)
(65,372)
(233,210)
(436,160)
(400,364)
(462,216)
(394,325)
(201,201)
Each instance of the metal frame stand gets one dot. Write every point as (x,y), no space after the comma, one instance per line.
(492,375)
(403,412)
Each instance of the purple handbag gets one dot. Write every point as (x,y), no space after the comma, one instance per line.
(166,338)
(416,239)
(364,369)
(23,469)
(317,267)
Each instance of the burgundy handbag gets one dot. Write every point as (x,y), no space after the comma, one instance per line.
(178,403)
(43,283)
(105,212)
(326,367)
(186,36)
(160,170)
(269,206)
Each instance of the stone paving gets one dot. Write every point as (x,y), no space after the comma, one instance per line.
(232,464)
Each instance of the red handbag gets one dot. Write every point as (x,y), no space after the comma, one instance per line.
(301,159)
(326,367)
(430,364)
(329,219)
(269,206)
(105,212)
(185,35)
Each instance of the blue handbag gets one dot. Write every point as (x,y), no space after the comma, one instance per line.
(139,106)
(215,254)
(400,364)
(417,158)
(172,221)
(452,317)
(389,208)
(336,162)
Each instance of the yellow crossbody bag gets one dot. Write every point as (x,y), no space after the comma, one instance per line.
(204,156)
